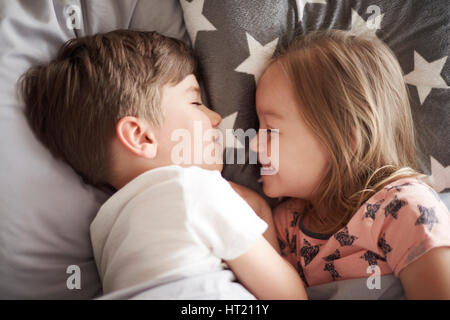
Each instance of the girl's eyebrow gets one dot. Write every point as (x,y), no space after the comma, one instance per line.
(272,114)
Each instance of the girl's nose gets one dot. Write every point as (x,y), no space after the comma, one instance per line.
(258,145)
(254,144)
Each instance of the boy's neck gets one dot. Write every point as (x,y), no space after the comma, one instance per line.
(125,177)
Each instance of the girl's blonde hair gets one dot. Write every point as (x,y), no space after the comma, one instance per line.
(351,93)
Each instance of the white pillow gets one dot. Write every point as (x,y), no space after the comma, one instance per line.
(45,208)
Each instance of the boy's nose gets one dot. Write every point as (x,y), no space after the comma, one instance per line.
(213,116)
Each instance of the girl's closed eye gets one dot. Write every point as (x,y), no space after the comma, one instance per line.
(197,103)
(269,133)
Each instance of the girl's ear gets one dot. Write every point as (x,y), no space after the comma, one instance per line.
(137,136)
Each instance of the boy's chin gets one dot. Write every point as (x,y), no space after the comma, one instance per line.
(214,166)
(217,166)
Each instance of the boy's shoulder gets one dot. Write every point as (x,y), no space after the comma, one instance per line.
(198,171)
(190,183)
(145,185)
(174,173)
(200,178)
(174,184)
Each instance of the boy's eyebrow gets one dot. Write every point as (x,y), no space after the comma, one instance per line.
(193,88)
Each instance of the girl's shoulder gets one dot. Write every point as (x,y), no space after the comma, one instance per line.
(405,192)
(406,219)
(411,186)
(409,197)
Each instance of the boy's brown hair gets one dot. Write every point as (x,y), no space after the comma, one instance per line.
(74,102)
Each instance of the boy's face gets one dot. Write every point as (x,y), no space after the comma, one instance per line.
(188,134)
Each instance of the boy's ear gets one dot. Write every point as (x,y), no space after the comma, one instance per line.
(137,136)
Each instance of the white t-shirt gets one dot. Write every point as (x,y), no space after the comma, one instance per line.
(171,222)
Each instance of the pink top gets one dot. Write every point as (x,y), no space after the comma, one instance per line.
(393,228)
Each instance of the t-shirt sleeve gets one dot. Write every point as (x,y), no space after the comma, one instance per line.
(220,218)
(416,221)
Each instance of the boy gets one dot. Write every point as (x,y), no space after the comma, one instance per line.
(110,105)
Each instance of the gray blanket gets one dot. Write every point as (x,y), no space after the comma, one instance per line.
(222,285)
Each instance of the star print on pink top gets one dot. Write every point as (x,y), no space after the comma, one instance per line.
(397,225)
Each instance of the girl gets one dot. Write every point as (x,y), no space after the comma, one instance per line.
(347,162)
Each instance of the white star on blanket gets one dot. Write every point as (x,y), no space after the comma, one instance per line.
(440,175)
(194,19)
(301,6)
(361,27)
(426,75)
(259,57)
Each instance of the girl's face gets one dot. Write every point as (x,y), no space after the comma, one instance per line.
(302,159)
